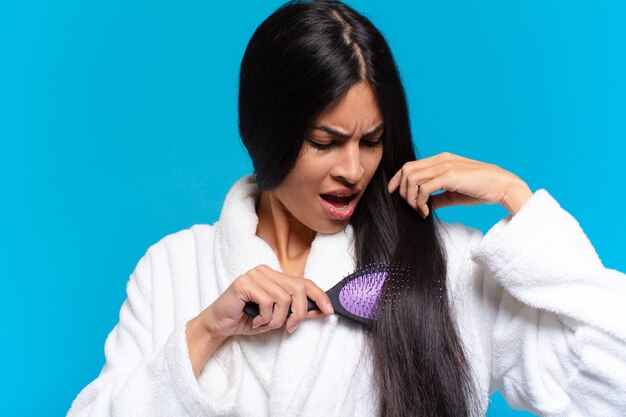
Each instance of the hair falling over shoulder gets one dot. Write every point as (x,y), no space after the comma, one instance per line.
(302,59)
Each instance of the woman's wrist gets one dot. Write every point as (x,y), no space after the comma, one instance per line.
(516,196)
(201,344)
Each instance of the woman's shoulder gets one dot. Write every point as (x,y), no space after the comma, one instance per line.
(190,234)
(175,256)
(184,242)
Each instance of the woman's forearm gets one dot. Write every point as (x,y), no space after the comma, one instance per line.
(201,344)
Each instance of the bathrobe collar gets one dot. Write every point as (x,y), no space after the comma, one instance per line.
(286,364)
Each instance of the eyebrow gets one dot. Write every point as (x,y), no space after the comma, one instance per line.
(342,135)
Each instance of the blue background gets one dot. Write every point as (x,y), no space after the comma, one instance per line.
(118,125)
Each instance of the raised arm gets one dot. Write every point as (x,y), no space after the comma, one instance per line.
(549,315)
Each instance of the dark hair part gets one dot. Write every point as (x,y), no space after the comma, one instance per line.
(300,61)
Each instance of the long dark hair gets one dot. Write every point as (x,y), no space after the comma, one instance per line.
(300,61)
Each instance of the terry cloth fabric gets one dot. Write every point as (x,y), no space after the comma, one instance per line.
(540,317)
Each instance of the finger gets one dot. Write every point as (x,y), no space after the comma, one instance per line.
(319,297)
(313,292)
(314,313)
(444,199)
(411,179)
(298,308)
(426,189)
(414,172)
(281,299)
(453,198)
(420,176)
(411,196)
(403,181)
(394,182)
(264,300)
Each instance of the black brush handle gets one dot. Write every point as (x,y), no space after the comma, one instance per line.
(252,308)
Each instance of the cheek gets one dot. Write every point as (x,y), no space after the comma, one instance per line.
(302,183)
(311,170)
(372,161)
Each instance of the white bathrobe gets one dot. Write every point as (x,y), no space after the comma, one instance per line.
(541,319)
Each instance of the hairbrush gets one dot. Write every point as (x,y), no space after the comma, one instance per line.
(356,297)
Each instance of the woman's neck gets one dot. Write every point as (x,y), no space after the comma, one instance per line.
(286,235)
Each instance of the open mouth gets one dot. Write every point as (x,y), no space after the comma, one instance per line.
(339,201)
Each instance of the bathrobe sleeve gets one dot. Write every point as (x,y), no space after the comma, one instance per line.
(139,377)
(551,319)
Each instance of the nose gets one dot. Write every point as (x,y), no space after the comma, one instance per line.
(349,167)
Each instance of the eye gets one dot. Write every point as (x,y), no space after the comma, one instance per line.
(373,143)
(321,146)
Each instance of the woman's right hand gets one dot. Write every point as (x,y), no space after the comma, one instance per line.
(274,292)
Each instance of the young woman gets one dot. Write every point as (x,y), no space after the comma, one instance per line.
(527,309)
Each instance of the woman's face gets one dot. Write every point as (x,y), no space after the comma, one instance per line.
(340,154)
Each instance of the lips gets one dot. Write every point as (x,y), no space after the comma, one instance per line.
(338,201)
(339,207)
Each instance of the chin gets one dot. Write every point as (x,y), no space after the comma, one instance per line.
(332,228)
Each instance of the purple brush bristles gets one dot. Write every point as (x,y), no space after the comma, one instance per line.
(359,294)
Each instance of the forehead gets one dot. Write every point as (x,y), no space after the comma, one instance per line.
(358,107)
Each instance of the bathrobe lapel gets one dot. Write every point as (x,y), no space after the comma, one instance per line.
(301,354)
(285,364)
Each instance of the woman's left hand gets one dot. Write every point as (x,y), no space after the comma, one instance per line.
(463,182)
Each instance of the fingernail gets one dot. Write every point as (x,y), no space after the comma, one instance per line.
(329,308)
(292,328)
